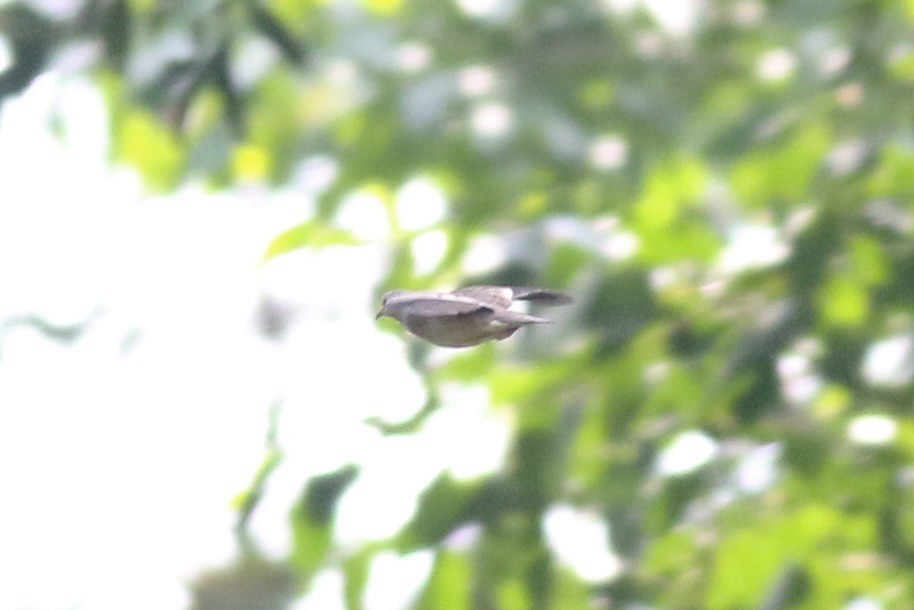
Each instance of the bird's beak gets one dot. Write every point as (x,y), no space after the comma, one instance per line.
(379,315)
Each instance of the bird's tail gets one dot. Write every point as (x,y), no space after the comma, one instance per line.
(541,296)
(516,318)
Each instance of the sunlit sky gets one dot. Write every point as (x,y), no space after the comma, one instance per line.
(120,453)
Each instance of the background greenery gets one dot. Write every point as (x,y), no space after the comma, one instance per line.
(728,198)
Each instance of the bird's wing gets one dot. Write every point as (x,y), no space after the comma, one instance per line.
(436,307)
(498,296)
(541,296)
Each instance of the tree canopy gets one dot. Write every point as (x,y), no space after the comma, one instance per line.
(725,186)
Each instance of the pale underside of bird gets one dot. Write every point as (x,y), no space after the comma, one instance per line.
(468,316)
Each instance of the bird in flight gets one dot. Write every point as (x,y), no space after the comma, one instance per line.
(468,316)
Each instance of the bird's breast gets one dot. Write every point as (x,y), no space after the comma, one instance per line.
(452,331)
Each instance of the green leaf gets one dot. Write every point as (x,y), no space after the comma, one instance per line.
(814,537)
(311,518)
(893,175)
(248,500)
(152,148)
(310,543)
(782,171)
(668,190)
(844,302)
(309,234)
(450,584)
(274,29)
(323,492)
(442,507)
(512,595)
(355,568)
(513,384)
(468,367)
(620,306)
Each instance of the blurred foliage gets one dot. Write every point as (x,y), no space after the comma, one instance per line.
(730,202)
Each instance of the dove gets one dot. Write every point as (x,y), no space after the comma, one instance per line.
(468,316)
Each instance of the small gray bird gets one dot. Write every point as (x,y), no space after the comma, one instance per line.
(468,316)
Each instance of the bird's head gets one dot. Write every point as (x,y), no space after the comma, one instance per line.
(389,304)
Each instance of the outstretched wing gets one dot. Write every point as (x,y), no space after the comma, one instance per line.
(500,297)
(503,296)
(431,307)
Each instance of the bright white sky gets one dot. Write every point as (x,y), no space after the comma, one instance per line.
(118,465)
